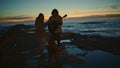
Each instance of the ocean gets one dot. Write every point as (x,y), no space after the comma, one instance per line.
(103,28)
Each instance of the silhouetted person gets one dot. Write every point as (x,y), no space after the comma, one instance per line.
(54,26)
(41,33)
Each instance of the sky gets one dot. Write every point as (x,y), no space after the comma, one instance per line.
(77,10)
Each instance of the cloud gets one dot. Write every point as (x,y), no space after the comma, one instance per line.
(15,17)
(96,17)
(113,16)
(102,16)
(114,6)
(20,18)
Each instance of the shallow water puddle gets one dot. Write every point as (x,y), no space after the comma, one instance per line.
(94,59)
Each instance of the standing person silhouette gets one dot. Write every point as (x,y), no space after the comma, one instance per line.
(41,33)
(54,26)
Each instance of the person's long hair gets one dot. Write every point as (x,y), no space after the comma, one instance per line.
(41,14)
(39,17)
(55,12)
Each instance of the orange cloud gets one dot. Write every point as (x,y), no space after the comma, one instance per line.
(102,13)
(95,17)
(72,16)
(16,19)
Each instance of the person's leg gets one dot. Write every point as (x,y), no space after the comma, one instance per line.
(43,44)
(42,41)
(58,38)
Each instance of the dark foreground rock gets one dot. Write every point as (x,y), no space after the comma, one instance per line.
(18,45)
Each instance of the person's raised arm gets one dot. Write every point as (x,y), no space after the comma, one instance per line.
(60,20)
(48,22)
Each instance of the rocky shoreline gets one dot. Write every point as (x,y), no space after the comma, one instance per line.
(17,43)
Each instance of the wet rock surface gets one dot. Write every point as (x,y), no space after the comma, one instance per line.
(18,50)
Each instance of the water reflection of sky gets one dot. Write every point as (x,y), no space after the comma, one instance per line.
(101,59)
(95,59)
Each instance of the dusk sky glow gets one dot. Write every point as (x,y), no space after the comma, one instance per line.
(27,10)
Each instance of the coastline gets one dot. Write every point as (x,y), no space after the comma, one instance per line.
(18,42)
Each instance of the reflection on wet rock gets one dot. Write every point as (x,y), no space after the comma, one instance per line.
(18,50)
